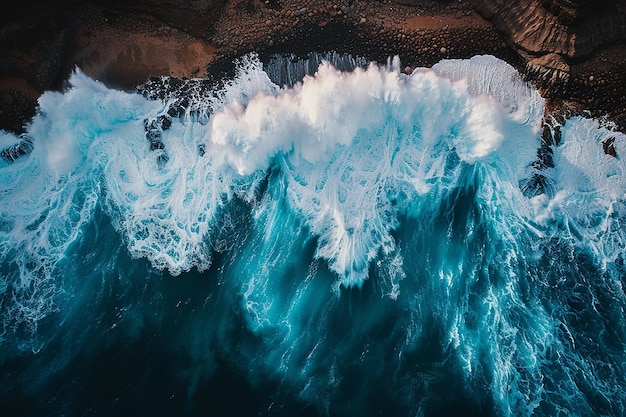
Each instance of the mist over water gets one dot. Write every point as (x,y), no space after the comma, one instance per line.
(360,242)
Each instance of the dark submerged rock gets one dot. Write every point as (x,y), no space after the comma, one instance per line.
(13,153)
(608,146)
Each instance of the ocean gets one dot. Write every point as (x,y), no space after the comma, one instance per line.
(321,237)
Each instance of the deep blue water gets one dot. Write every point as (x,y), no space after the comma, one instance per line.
(360,243)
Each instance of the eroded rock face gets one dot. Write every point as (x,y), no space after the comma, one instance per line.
(574,50)
(571,28)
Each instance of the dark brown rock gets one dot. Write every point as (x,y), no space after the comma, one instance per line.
(572,28)
(560,44)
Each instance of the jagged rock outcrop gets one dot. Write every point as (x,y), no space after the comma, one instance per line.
(570,28)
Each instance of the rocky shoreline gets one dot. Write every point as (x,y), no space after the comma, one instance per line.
(578,69)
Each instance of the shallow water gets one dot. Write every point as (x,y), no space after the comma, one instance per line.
(358,243)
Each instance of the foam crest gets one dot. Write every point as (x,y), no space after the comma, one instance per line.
(88,143)
(350,143)
(45,194)
(487,75)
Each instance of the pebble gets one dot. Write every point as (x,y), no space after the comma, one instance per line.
(300,12)
(443,50)
(363,20)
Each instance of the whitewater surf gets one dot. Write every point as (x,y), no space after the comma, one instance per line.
(357,241)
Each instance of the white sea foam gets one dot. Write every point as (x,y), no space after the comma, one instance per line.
(590,201)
